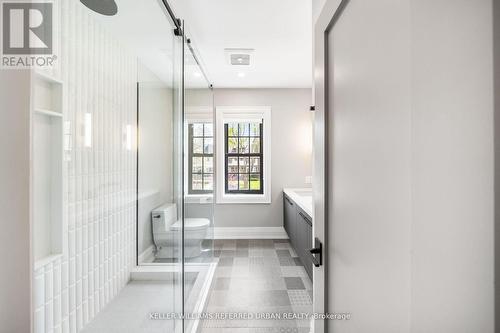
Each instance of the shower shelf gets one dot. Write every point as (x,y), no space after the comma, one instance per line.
(49,113)
(47,169)
(46,260)
(47,77)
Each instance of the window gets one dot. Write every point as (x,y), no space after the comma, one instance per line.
(243,154)
(200,159)
(243,157)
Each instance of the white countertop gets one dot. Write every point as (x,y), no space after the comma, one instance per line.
(302,197)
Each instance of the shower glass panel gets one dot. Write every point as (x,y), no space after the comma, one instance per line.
(175,183)
(159,176)
(199,186)
(126,130)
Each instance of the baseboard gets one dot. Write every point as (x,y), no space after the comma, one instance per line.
(147,255)
(250,233)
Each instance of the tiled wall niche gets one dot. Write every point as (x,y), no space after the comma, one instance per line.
(98,243)
(47,153)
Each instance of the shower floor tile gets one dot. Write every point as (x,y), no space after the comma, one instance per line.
(129,311)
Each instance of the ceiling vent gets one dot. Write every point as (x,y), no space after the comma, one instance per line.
(238,57)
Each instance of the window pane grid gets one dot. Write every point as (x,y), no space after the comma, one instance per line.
(201,172)
(244,158)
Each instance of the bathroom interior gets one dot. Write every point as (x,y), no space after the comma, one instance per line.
(160,191)
(117,210)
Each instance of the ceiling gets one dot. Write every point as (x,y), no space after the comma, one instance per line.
(279,31)
(142,28)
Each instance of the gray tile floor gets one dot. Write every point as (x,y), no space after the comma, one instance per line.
(258,276)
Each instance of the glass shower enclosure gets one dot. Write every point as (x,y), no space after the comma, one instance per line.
(123,174)
(199,185)
(175,180)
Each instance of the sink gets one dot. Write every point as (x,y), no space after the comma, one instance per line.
(304,193)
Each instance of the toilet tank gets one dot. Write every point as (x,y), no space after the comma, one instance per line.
(163,217)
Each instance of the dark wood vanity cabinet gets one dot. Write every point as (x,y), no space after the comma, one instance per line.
(298,226)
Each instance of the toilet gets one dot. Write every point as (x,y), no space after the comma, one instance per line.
(167,233)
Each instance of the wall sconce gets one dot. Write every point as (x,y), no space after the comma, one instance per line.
(68,140)
(128,137)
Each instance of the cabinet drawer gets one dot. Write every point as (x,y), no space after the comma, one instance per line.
(290,217)
(304,232)
(298,226)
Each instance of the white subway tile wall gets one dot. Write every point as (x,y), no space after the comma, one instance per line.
(99,77)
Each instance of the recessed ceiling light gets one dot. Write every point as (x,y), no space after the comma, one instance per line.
(241,74)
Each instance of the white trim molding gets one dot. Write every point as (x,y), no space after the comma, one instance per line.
(250,233)
(247,113)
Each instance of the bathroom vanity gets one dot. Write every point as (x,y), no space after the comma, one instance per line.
(297,215)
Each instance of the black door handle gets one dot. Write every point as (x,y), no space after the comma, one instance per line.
(317,253)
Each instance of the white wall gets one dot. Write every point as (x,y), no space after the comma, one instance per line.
(411,231)
(291,151)
(155,152)
(99,77)
(452,133)
(15,272)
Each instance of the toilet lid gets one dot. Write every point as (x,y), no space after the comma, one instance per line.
(191,224)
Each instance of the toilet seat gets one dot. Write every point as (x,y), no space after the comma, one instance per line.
(191,224)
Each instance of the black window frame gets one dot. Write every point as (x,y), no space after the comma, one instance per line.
(227,155)
(192,154)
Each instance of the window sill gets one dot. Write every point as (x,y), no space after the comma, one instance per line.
(201,199)
(244,199)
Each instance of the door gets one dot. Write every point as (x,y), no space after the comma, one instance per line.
(330,10)
(363,189)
